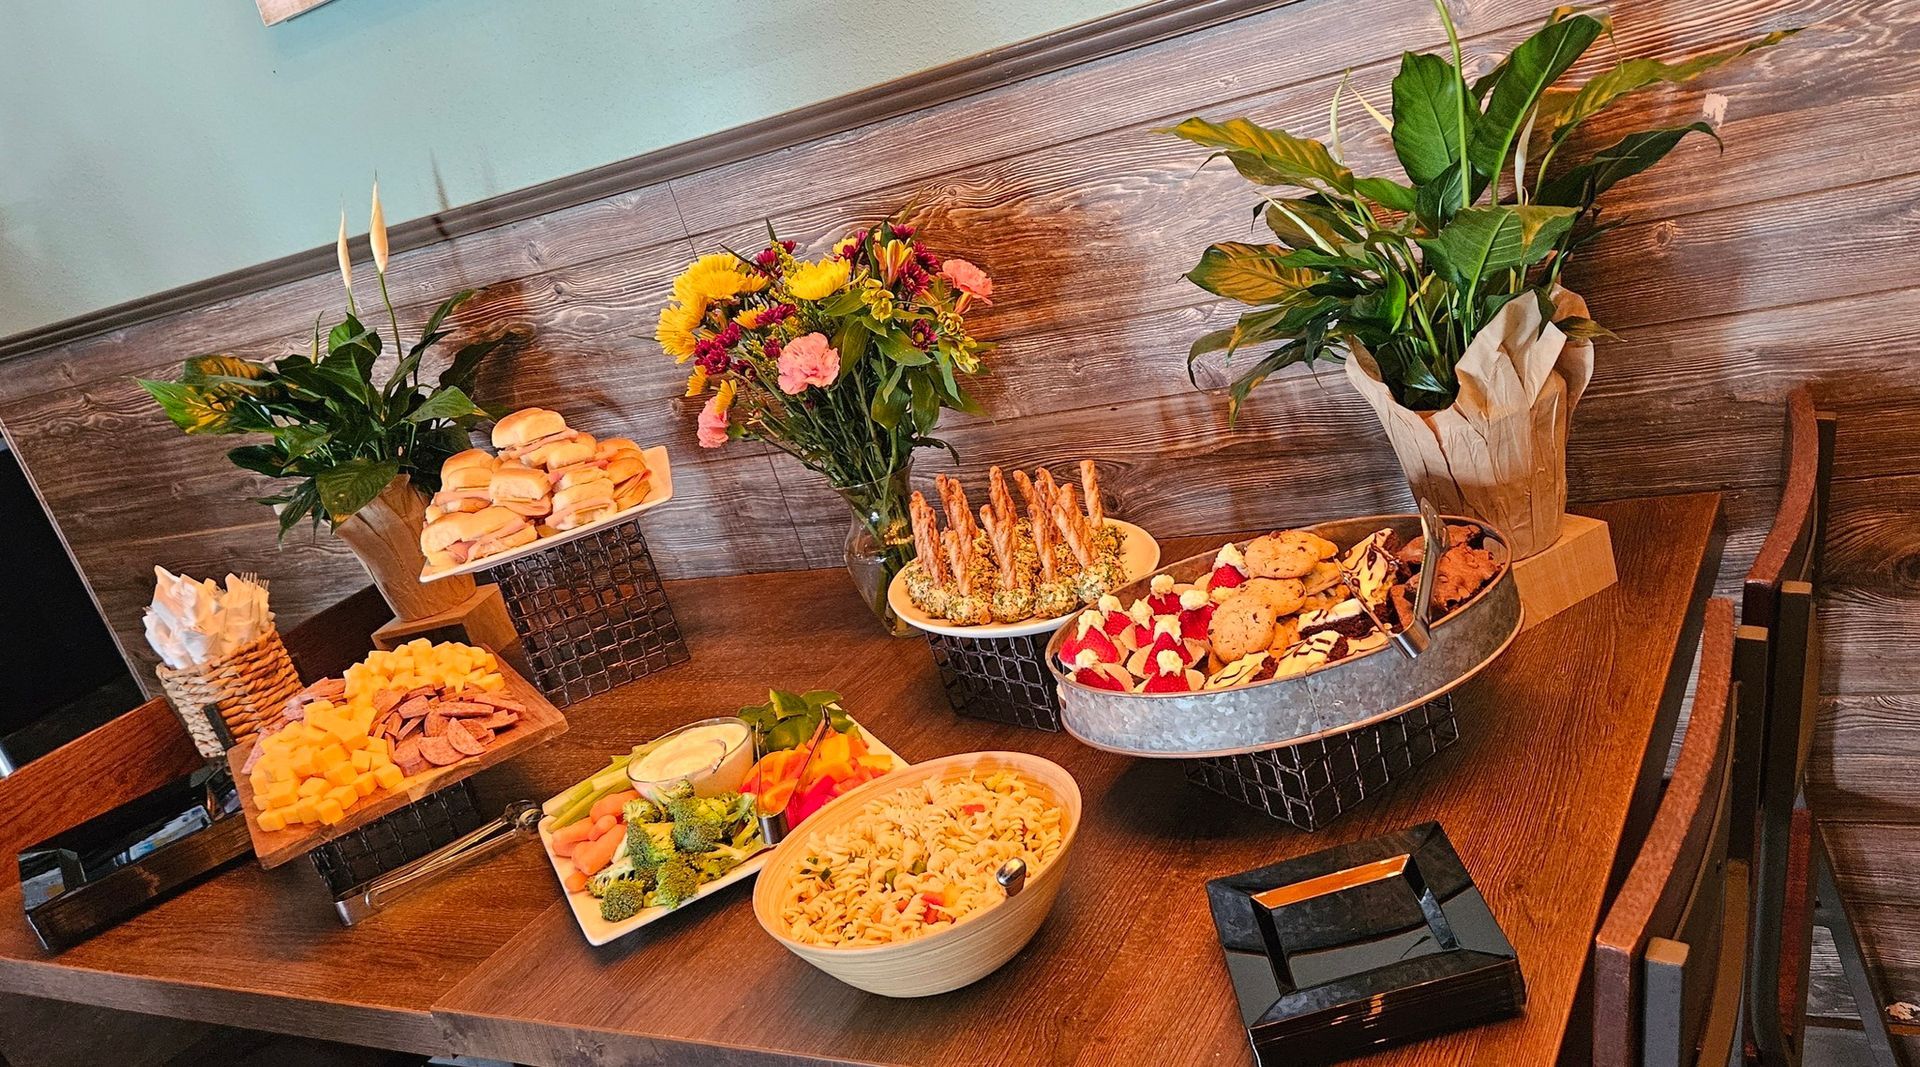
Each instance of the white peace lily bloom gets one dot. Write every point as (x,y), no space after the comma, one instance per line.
(377,232)
(346,263)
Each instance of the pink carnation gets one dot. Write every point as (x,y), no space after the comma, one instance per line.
(807,360)
(713,424)
(969,279)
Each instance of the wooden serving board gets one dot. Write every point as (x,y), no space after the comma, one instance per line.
(540,722)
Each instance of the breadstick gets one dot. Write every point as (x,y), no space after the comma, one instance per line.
(959,555)
(1090,482)
(953,496)
(1028,494)
(926,538)
(1000,534)
(999,496)
(1073,526)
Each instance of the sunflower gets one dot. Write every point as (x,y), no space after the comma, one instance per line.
(817,281)
(720,276)
(750,319)
(675,331)
(697,381)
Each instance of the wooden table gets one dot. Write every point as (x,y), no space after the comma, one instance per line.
(1561,745)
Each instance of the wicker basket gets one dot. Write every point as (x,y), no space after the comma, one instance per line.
(222,702)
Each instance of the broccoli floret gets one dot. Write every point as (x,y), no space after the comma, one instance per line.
(649,844)
(642,810)
(680,790)
(623,900)
(699,823)
(678,880)
(613,872)
(747,836)
(719,861)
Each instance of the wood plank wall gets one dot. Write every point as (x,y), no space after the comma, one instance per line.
(1737,276)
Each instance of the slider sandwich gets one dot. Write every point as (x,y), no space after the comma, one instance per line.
(540,438)
(453,539)
(521,490)
(581,496)
(463,484)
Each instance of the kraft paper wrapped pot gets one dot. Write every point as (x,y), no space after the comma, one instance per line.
(1500,451)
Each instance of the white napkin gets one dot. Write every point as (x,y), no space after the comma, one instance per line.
(193,622)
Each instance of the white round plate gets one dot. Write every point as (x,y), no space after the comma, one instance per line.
(1140,552)
(659,491)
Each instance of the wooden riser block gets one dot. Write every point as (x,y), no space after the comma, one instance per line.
(1573,568)
(480,620)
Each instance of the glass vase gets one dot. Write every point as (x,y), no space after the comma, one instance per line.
(879,542)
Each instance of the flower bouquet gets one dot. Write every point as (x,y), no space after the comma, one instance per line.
(1444,290)
(844,363)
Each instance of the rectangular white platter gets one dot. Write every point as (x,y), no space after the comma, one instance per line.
(586,907)
(659,491)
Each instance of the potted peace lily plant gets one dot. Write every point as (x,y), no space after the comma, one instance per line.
(844,363)
(360,446)
(1442,292)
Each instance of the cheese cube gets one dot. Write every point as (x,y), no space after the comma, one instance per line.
(387,776)
(362,760)
(306,811)
(329,757)
(312,787)
(329,811)
(277,794)
(364,784)
(273,820)
(344,795)
(300,764)
(340,774)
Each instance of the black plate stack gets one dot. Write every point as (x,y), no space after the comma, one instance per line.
(1355,948)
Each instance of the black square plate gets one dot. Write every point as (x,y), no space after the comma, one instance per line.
(1362,946)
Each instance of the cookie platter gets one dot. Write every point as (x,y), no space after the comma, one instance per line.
(1215,714)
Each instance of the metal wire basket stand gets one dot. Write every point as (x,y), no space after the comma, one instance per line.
(1002,679)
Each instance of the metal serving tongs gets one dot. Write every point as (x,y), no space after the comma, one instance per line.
(520,818)
(1417,636)
(773,824)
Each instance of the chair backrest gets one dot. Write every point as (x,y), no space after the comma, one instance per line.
(1778,667)
(129,757)
(1664,990)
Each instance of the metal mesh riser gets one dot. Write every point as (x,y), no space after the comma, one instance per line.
(1004,679)
(397,838)
(591,613)
(1312,783)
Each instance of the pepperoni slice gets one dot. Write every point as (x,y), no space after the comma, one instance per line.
(496,700)
(436,723)
(463,709)
(414,707)
(440,752)
(407,757)
(499,720)
(386,700)
(462,742)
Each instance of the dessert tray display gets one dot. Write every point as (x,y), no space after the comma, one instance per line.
(395,728)
(548,484)
(681,817)
(1002,575)
(1284,638)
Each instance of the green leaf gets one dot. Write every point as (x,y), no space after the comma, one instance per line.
(846,303)
(1584,329)
(439,315)
(1386,306)
(1386,192)
(1426,116)
(299,439)
(1580,186)
(852,342)
(227,375)
(261,459)
(1440,198)
(447,403)
(1306,224)
(1486,240)
(889,401)
(348,487)
(925,401)
(296,504)
(191,408)
(1529,69)
(1248,273)
(1268,157)
(902,351)
(1561,112)
(466,362)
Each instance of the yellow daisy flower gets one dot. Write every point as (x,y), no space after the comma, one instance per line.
(697,381)
(675,330)
(817,281)
(749,320)
(724,398)
(720,276)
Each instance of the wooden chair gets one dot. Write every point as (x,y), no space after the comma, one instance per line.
(1668,959)
(1777,663)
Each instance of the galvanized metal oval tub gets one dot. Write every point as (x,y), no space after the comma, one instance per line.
(1340,696)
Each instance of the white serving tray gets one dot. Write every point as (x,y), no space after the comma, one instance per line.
(660,490)
(1140,552)
(586,907)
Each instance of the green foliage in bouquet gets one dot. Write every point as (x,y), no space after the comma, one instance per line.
(1491,210)
(334,425)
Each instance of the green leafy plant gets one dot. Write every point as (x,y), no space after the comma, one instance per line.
(788,720)
(1492,210)
(334,426)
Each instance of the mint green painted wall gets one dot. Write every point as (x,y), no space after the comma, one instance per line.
(146,144)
